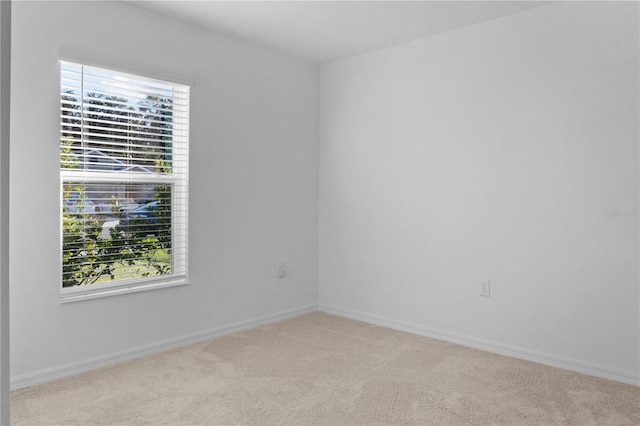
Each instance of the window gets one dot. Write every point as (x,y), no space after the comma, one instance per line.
(123,182)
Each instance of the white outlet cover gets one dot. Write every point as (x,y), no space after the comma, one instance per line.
(282,270)
(485,288)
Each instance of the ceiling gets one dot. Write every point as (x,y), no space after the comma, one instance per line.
(322,31)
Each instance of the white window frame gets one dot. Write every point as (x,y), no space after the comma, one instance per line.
(179,181)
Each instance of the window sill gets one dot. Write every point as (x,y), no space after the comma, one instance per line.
(79,294)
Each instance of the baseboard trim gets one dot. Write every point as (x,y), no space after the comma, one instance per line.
(78,367)
(74,368)
(629,377)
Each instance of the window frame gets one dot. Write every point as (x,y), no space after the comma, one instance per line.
(179,182)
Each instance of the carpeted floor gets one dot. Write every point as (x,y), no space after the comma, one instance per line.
(322,369)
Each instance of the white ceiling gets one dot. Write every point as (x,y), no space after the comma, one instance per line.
(321,31)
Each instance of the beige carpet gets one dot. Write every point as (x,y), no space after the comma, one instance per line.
(322,369)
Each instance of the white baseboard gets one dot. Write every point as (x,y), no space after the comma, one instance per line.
(629,377)
(73,368)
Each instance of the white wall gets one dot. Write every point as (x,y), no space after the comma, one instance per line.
(5,95)
(491,152)
(253,184)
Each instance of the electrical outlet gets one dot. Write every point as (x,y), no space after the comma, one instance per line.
(485,288)
(282,270)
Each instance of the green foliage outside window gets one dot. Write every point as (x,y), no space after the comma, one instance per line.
(136,250)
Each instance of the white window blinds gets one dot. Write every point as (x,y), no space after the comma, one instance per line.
(124,179)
